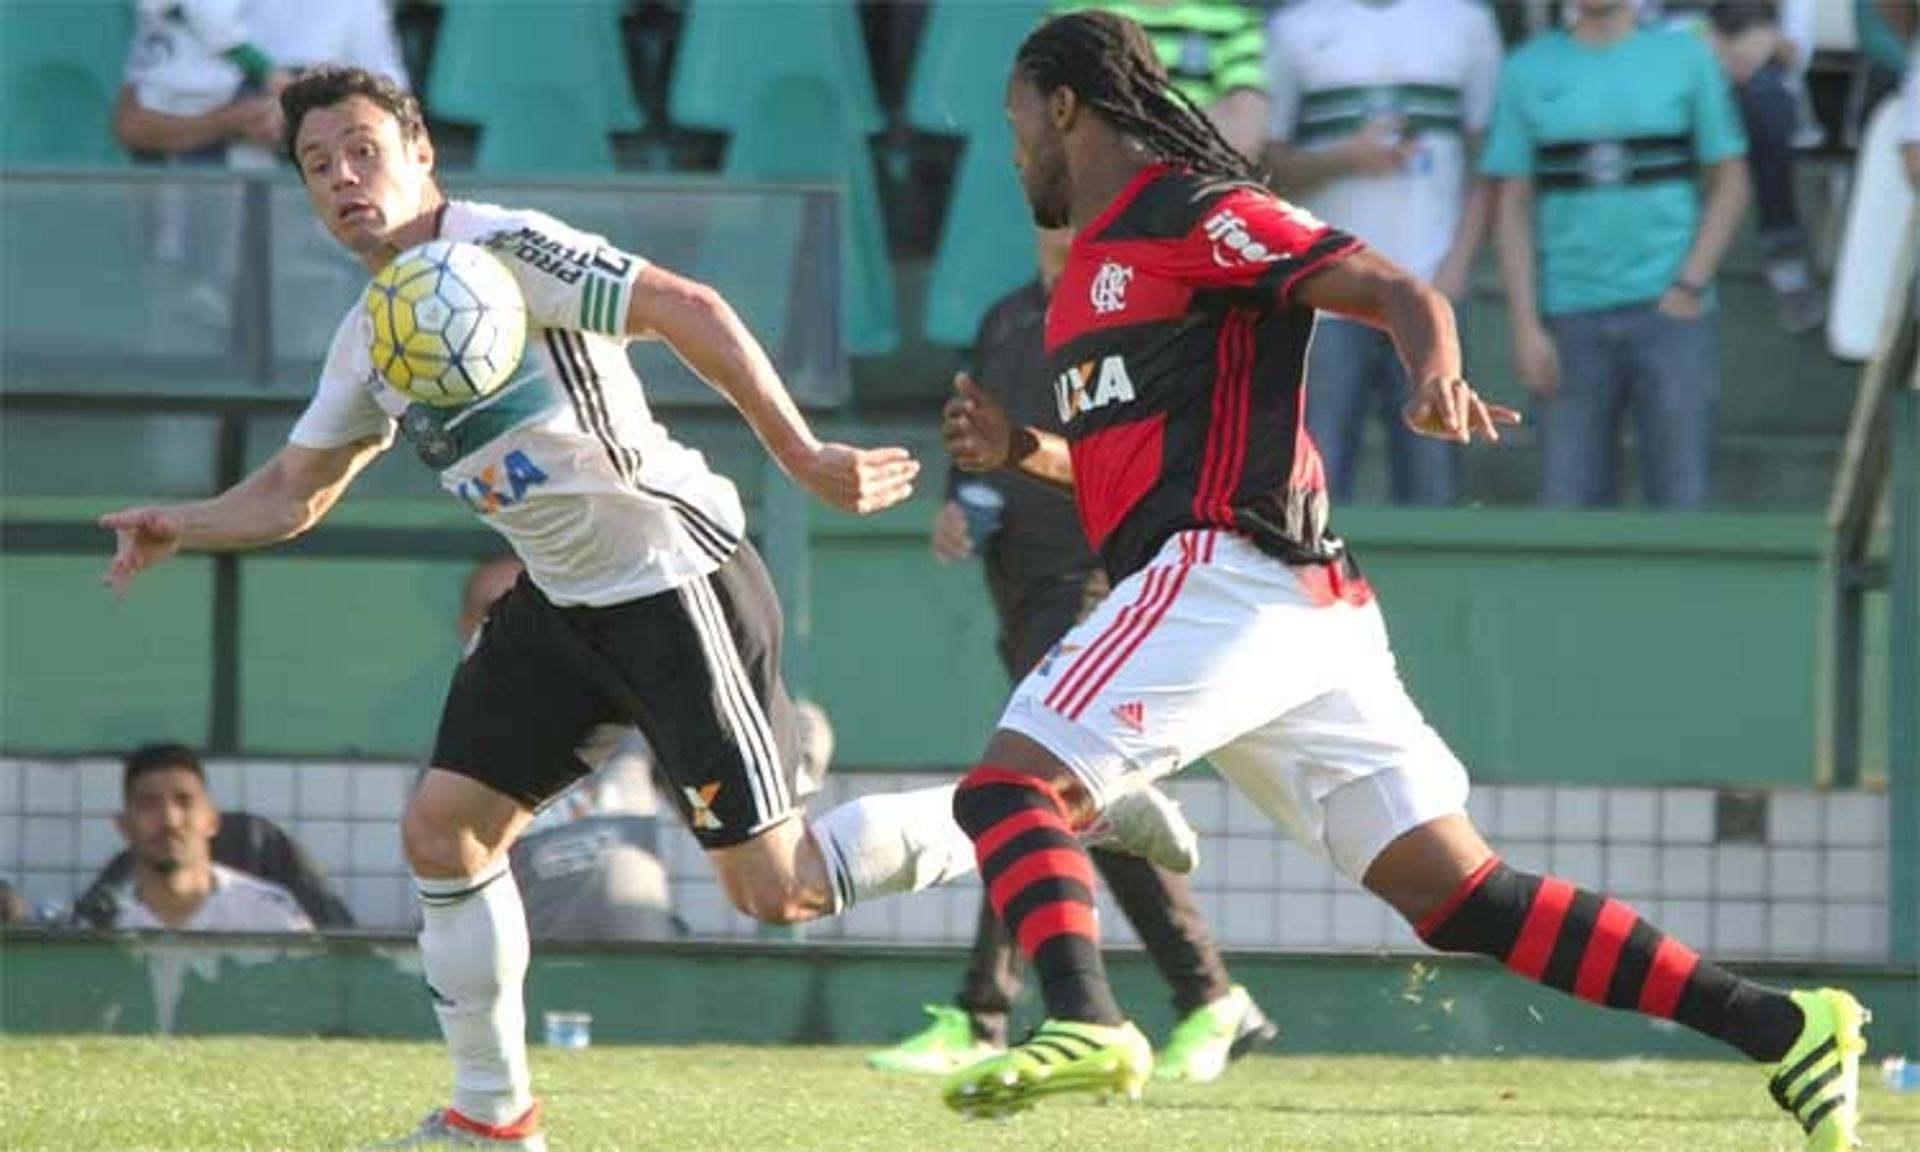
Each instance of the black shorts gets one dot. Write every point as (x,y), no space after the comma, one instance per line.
(696,668)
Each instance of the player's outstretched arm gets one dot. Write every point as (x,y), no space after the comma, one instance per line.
(1367,287)
(285,497)
(706,333)
(980,438)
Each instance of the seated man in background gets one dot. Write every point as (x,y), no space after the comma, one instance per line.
(169,822)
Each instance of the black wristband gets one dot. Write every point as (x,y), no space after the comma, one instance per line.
(1689,288)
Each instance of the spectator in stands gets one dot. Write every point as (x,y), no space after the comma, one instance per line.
(203,77)
(1379,108)
(196,82)
(1764,47)
(1608,255)
(587,864)
(169,822)
(1214,51)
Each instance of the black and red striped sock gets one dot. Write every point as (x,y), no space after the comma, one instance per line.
(1599,949)
(1041,882)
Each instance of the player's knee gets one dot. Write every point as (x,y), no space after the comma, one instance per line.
(773,899)
(436,846)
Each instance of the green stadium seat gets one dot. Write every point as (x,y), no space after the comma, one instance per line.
(542,128)
(797,130)
(985,248)
(731,49)
(60,71)
(489,53)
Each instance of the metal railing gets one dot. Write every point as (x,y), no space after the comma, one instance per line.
(1874,517)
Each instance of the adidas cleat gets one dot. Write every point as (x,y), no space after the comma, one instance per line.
(1211,1036)
(1061,1056)
(946,1045)
(1818,1080)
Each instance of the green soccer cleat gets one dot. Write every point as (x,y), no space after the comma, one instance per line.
(1062,1056)
(1210,1036)
(946,1045)
(1818,1080)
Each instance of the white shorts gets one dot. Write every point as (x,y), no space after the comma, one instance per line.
(1219,650)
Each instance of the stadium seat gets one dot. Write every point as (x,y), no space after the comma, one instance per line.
(60,68)
(491,52)
(798,130)
(542,128)
(958,89)
(732,49)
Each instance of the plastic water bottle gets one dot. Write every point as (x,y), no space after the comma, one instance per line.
(1900,1074)
(569,1029)
(982,504)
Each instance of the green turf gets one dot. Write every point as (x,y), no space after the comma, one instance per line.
(121,1093)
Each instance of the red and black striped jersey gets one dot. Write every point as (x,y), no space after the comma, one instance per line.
(1179,359)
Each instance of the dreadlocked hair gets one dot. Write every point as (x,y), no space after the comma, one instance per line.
(1111,66)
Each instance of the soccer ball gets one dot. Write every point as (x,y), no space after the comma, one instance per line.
(448,322)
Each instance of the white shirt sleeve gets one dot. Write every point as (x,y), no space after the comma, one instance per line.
(571,279)
(375,45)
(1283,79)
(220,25)
(343,410)
(1483,70)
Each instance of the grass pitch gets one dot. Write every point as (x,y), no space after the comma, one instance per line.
(247,1093)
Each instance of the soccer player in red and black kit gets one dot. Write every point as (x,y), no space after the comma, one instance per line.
(1238,627)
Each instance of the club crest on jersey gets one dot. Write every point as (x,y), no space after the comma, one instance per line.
(1110,288)
(1093,385)
(501,485)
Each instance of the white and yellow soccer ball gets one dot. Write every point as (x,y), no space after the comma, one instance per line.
(448,322)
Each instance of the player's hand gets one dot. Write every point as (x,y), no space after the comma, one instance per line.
(1381,148)
(1681,305)
(974,427)
(859,480)
(143,537)
(1536,359)
(1449,409)
(258,120)
(951,542)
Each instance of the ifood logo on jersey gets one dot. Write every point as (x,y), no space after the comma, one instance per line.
(1087,387)
(1233,244)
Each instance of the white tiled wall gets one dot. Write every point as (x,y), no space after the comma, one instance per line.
(1815,889)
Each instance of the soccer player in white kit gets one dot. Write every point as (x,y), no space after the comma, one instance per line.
(642,604)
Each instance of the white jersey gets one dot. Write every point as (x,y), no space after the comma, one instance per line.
(1432,64)
(177,64)
(566,461)
(238,903)
(301,34)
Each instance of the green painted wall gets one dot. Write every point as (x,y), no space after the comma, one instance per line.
(681,994)
(1598,647)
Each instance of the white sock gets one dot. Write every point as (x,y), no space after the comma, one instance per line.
(473,945)
(892,842)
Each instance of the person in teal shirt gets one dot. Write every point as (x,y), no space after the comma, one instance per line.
(1599,139)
